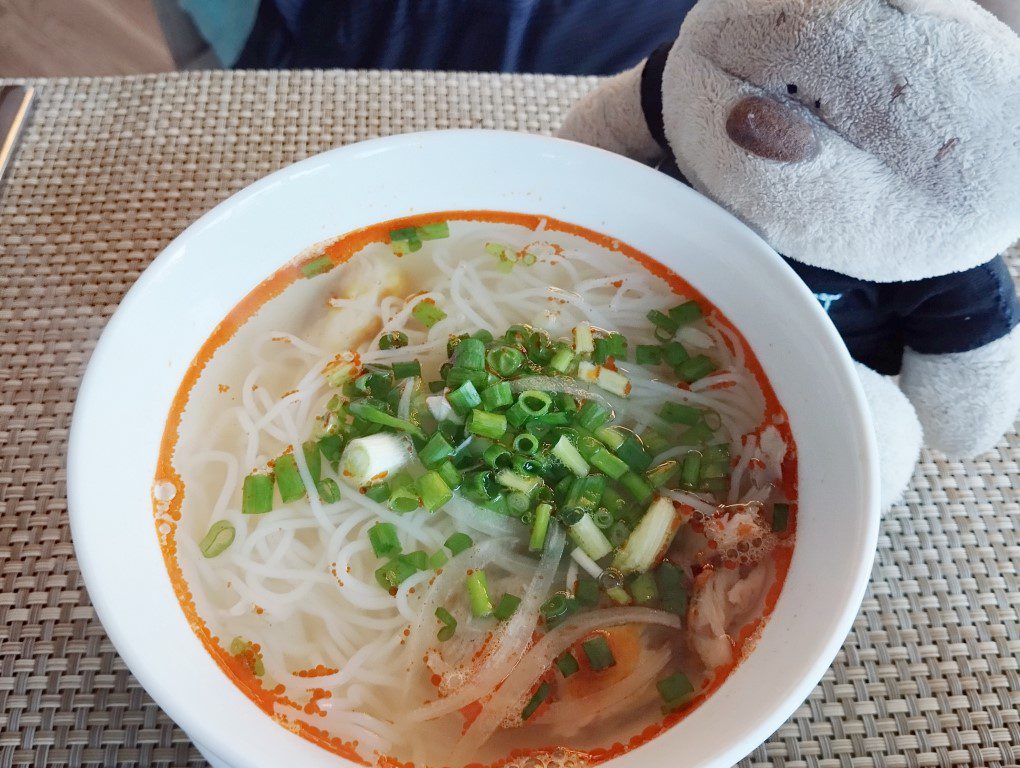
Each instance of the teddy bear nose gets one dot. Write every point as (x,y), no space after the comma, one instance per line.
(771,130)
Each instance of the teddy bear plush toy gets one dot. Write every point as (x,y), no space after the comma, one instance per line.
(875,144)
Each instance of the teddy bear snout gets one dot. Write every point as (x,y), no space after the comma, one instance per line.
(772,130)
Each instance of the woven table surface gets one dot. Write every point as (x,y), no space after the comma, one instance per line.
(110,170)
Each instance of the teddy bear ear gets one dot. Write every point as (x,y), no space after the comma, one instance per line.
(982,13)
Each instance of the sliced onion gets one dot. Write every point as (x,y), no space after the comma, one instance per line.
(513,641)
(537,661)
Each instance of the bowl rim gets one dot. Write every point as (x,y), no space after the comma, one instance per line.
(89,552)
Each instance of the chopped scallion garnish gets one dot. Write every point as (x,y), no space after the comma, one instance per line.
(536,700)
(458,542)
(600,655)
(428,313)
(478,594)
(257,494)
(383,537)
(219,537)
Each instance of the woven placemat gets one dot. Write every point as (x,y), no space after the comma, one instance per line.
(110,170)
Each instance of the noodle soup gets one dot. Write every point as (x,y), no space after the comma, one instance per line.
(476,487)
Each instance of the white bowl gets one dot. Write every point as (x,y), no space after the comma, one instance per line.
(144,351)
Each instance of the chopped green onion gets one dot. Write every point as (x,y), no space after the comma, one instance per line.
(520,505)
(643,588)
(690,473)
(673,353)
(648,354)
(618,533)
(317,266)
(491,425)
(434,491)
(313,459)
(458,542)
(672,595)
(219,537)
(331,447)
(481,485)
(435,450)
(464,398)
(780,517)
(478,594)
(602,351)
(637,487)
(526,443)
(470,353)
(328,490)
(449,624)
(405,233)
(383,537)
(504,361)
(603,518)
(536,701)
(662,322)
(565,451)
(586,493)
(675,688)
(419,559)
(534,402)
(457,376)
(612,437)
(506,607)
(593,416)
(394,573)
(603,460)
(561,360)
(497,396)
(539,527)
(663,473)
(516,415)
(587,592)
(288,479)
(647,544)
(685,313)
(600,655)
(695,368)
(427,313)
(515,482)
(438,559)
(435,231)
(449,473)
(678,413)
(567,664)
(257,494)
(584,344)
(393,340)
(406,370)
(497,457)
(403,500)
(375,415)
(590,538)
(633,453)
(557,605)
(378,493)
(400,247)
(696,435)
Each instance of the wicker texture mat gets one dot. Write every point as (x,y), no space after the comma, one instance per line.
(110,170)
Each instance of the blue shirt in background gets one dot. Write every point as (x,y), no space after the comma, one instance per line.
(584,37)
